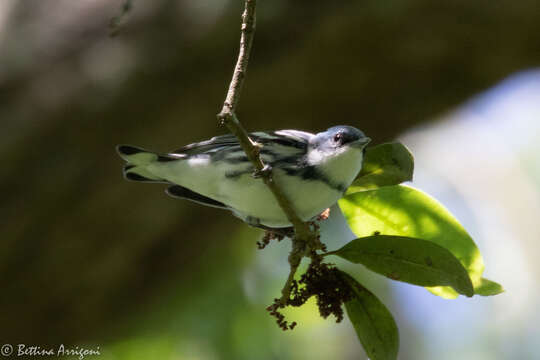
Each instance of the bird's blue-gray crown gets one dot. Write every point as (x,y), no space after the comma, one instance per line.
(339,136)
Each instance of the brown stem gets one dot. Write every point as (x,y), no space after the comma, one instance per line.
(304,236)
(246,40)
(117,21)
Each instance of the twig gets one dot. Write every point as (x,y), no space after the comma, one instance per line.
(117,21)
(305,239)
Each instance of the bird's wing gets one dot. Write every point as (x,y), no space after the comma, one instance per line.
(303,136)
(204,146)
(293,139)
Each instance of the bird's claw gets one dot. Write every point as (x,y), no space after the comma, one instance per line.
(265,171)
(324,215)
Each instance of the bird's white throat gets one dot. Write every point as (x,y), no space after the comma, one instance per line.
(342,167)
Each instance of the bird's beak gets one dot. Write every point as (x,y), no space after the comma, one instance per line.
(361,143)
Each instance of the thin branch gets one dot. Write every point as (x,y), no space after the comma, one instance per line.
(249,21)
(117,21)
(305,239)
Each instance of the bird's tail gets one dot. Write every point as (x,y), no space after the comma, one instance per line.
(137,162)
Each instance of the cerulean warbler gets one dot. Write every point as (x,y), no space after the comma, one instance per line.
(313,171)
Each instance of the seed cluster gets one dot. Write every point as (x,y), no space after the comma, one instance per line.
(322,281)
(269,236)
(280,318)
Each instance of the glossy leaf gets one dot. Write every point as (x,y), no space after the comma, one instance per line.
(384,165)
(374,325)
(404,211)
(415,261)
(486,287)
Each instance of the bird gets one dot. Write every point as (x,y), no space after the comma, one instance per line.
(312,170)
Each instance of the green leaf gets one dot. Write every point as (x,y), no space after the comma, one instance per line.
(404,211)
(415,261)
(486,287)
(384,165)
(374,324)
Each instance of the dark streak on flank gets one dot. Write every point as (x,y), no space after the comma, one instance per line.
(226,152)
(290,160)
(233,175)
(236,159)
(312,173)
(162,158)
(268,151)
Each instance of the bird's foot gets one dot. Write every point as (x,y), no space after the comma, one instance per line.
(324,215)
(264,172)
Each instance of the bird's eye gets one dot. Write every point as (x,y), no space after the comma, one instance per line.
(337,137)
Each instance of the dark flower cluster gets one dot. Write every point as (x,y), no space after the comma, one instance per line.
(269,236)
(322,281)
(280,318)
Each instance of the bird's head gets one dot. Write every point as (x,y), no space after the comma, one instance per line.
(336,141)
(338,152)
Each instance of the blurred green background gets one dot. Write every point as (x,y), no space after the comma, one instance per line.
(89,259)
